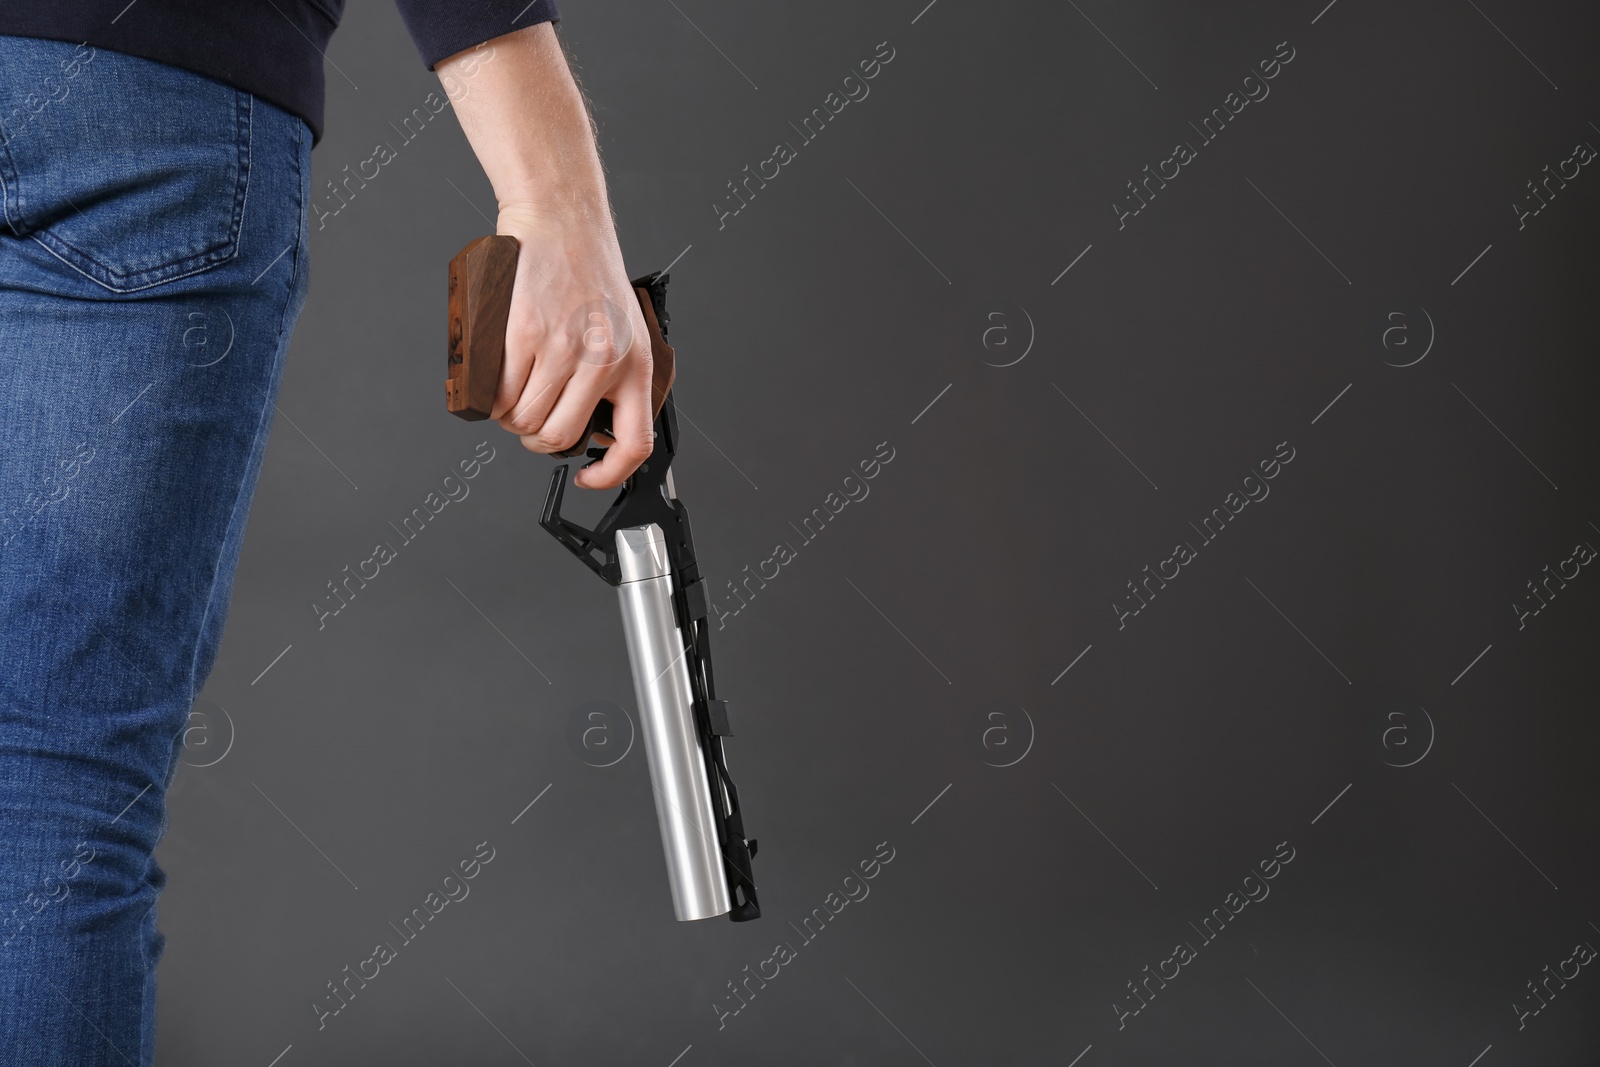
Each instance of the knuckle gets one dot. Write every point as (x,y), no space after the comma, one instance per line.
(522,336)
(604,354)
(552,440)
(522,424)
(636,450)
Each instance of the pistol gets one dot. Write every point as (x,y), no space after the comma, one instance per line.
(643,546)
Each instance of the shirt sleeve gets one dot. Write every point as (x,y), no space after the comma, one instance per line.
(441,28)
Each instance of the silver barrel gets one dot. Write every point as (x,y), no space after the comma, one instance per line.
(656,652)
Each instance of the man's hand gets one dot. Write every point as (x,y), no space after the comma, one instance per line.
(576,334)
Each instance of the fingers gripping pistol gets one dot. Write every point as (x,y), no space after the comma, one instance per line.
(643,547)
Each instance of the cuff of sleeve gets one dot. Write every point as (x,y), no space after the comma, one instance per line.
(441,28)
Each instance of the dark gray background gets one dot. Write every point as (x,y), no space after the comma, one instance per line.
(1175,753)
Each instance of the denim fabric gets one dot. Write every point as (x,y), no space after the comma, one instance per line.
(152,264)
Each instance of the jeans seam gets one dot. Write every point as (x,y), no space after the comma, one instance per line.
(9,188)
(300,225)
(239,499)
(277,358)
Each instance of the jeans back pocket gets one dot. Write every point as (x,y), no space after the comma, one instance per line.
(131,172)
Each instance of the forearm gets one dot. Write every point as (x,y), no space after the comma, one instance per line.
(527,122)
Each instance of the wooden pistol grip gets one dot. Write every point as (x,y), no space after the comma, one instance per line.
(481,277)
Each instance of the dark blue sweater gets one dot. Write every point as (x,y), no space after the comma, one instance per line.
(270,48)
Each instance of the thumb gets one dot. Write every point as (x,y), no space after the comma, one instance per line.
(631,427)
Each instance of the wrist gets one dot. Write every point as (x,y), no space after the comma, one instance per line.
(533,204)
(551,216)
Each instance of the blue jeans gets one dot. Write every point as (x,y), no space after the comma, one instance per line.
(152,265)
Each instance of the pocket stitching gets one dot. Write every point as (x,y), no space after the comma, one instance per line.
(10,188)
(189,266)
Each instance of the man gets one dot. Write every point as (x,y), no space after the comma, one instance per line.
(155,183)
